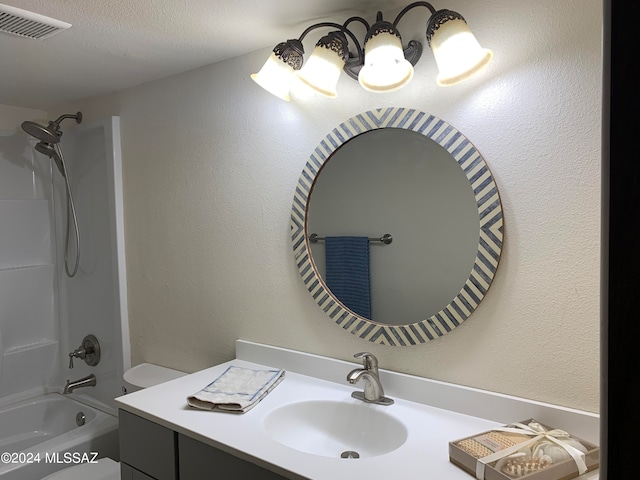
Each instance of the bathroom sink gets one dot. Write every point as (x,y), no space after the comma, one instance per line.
(336,428)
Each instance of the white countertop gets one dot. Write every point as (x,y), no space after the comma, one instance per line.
(424,455)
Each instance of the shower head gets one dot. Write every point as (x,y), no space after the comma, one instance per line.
(51,133)
(50,151)
(45,149)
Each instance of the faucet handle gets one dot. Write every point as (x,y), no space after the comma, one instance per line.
(369,360)
(80,352)
(89,351)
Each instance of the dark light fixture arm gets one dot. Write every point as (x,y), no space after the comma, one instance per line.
(357,19)
(411,6)
(354,64)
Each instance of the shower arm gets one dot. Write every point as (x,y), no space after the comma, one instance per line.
(77,117)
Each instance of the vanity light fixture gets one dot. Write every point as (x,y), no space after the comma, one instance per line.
(383,65)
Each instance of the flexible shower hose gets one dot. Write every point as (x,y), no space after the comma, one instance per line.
(71,214)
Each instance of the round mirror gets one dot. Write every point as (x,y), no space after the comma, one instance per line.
(397,226)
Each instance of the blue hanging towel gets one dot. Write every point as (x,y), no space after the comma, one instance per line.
(347,272)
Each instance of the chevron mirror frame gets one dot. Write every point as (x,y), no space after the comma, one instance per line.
(489,213)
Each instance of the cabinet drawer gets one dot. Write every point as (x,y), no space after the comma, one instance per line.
(201,461)
(147,446)
(129,473)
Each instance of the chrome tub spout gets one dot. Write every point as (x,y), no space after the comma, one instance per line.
(88,381)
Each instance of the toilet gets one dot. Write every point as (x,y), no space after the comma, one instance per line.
(136,378)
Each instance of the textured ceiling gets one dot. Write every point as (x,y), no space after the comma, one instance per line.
(121,43)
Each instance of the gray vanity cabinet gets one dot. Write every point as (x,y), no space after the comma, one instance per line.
(149,451)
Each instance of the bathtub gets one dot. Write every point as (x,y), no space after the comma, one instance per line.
(40,435)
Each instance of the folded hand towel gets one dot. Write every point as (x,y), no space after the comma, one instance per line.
(237,390)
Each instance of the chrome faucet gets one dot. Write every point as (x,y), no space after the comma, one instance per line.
(373,391)
(88,381)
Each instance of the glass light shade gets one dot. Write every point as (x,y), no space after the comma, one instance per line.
(322,71)
(275,76)
(457,52)
(385,69)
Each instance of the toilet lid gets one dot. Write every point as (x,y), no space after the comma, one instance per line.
(102,469)
(147,375)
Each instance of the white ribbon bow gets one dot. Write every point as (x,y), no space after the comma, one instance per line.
(538,430)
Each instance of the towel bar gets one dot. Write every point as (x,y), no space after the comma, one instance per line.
(386,238)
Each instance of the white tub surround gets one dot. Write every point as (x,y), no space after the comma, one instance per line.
(434,414)
(46,314)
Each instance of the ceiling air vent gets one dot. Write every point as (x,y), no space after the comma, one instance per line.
(28,24)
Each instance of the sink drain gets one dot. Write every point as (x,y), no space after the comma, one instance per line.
(349,454)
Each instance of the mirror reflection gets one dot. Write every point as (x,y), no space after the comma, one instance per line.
(402,183)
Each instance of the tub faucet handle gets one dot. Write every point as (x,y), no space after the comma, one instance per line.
(79,353)
(89,351)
